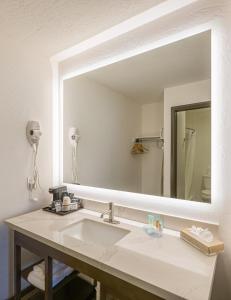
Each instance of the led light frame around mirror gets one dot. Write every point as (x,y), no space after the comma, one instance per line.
(168,206)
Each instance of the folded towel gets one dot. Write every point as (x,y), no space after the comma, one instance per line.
(57,266)
(36,281)
(39,282)
(59,271)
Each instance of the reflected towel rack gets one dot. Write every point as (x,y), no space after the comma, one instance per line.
(148,139)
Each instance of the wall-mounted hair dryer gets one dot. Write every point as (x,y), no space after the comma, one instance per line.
(74,135)
(33,134)
(74,138)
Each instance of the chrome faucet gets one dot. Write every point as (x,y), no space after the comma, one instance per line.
(110,213)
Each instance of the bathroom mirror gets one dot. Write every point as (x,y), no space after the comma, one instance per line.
(117,120)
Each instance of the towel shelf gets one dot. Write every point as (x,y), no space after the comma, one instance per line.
(67,280)
(25,272)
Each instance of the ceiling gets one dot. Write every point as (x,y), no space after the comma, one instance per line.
(144,77)
(50,26)
(46,27)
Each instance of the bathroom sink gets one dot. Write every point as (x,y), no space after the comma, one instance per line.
(95,232)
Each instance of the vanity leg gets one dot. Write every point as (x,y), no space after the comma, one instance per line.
(17,271)
(103,293)
(48,278)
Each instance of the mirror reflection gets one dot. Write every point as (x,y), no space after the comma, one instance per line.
(127,126)
(191,152)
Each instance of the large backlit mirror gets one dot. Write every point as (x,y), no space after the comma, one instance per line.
(143,124)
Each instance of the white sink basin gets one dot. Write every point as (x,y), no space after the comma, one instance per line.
(95,232)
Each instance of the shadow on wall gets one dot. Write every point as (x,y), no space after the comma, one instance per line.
(6,251)
(4,261)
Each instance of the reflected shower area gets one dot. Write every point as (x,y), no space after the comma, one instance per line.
(191,145)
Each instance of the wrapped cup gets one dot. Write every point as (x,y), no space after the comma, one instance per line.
(66,200)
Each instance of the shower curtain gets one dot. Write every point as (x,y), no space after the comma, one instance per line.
(190,145)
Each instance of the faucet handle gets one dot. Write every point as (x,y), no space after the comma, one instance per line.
(111,205)
(110,213)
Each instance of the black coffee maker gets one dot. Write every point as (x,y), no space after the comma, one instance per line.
(57,192)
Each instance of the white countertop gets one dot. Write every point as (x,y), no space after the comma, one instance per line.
(166,266)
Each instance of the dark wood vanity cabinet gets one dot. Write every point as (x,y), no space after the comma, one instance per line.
(111,287)
(127,292)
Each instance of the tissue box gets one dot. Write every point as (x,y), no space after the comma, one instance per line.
(208,248)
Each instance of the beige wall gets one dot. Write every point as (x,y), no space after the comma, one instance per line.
(108,122)
(152,122)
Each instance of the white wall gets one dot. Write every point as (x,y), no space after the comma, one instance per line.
(108,122)
(25,94)
(180,95)
(152,122)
